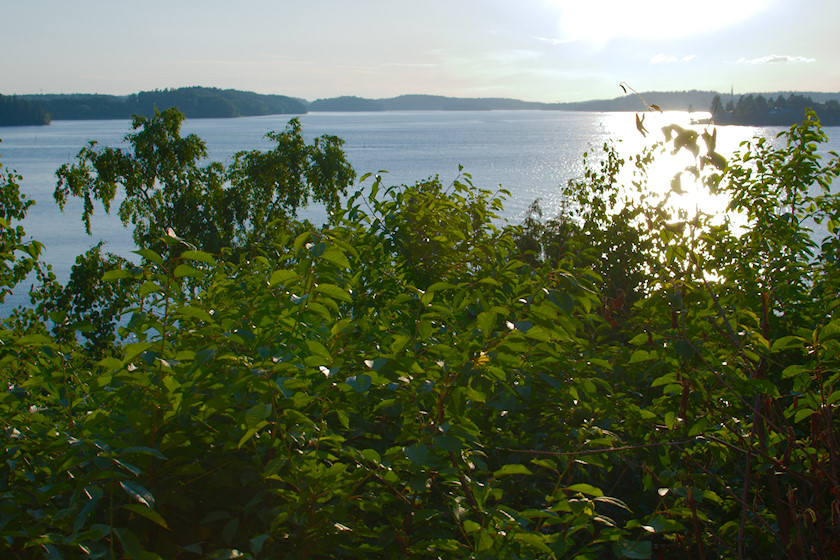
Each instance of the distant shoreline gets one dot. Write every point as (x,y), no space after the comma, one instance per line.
(202,102)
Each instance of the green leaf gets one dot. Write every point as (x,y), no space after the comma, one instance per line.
(511,469)
(281,277)
(258,542)
(540,333)
(360,383)
(667,379)
(587,489)
(372,455)
(187,271)
(334,291)
(803,413)
(830,332)
(199,256)
(300,240)
(249,433)
(34,340)
(399,342)
(138,493)
(684,349)
(417,453)
(534,540)
(148,513)
(441,286)
(786,343)
(641,356)
(633,549)
(150,256)
(117,274)
(344,419)
(448,443)
(318,349)
(424,329)
(486,322)
(794,370)
(257,414)
(194,313)
(133,350)
(149,287)
(142,450)
(337,257)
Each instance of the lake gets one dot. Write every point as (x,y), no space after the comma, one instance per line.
(529,153)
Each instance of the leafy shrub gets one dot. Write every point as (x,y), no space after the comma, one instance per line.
(418,379)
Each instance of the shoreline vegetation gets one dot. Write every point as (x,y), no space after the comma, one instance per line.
(766,109)
(629,379)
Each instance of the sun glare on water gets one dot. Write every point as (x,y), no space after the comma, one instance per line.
(688,194)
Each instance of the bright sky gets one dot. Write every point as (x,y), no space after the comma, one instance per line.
(538,50)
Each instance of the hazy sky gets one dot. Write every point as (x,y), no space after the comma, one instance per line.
(540,50)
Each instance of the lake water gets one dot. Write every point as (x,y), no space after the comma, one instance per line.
(529,153)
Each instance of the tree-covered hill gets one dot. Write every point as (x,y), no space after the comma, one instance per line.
(18,111)
(346,103)
(194,102)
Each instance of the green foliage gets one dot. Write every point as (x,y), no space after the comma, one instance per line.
(91,304)
(418,379)
(269,187)
(18,256)
(166,190)
(758,110)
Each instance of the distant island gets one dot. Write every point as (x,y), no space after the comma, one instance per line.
(780,108)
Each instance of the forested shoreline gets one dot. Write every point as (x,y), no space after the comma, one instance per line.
(417,378)
(756,110)
(201,102)
(17,111)
(194,102)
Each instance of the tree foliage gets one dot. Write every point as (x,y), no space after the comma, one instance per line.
(18,255)
(165,189)
(418,379)
(757,110)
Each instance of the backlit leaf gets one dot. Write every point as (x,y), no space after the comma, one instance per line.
(138,493)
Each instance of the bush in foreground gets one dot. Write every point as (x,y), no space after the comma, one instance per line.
(408,382)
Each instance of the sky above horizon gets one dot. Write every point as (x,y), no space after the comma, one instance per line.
(536,50)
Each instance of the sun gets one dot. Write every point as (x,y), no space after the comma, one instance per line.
(599,21)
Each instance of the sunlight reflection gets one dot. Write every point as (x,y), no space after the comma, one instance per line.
(690,195)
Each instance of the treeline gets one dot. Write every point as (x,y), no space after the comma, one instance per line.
(202,102)
(16,111)
(783,111)
(667,101)
(422,103)
(194,102)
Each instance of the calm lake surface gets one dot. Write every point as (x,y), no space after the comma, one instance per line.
(529,153)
